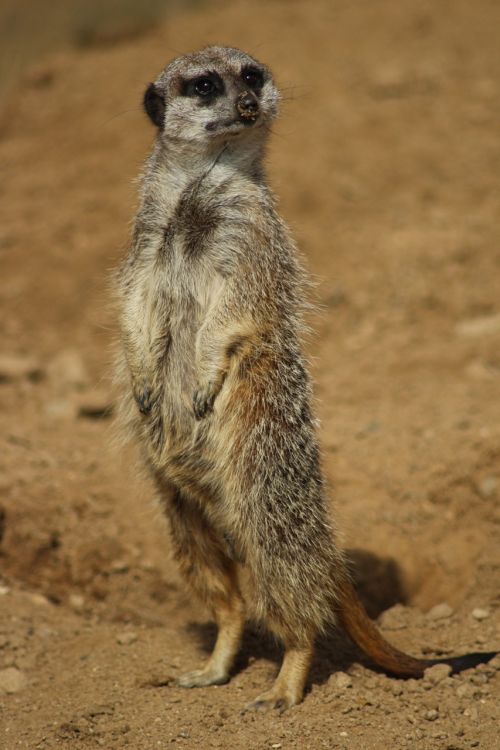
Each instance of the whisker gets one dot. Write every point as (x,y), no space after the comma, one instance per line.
(119,114)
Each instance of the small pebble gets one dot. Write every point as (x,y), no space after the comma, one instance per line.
(94,405)
(76,602)
(495,663)
(59,408)
(67,369)
(12,680)
(479,371)
(13,367)
(481,326)
(437,673)
(119,566)
(487,486)
(431,715)
(478,678)
(472,713)
(341,680)
(39,599)
(124,639)
(395,618)
(464,691)
(440,612)
(480,614)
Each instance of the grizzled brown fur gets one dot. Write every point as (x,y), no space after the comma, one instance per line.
(215,385)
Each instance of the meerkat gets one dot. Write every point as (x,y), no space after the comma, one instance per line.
(215,384)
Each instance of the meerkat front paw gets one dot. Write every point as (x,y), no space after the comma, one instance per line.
(143,397)
(203,400)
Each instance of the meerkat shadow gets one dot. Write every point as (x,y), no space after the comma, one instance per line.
(379,584)
(378,581)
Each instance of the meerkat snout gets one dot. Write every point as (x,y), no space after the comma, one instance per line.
(247,106)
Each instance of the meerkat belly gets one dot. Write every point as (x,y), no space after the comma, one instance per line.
(176,297)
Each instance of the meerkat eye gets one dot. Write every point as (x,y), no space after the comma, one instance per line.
(204,87)
(253,76)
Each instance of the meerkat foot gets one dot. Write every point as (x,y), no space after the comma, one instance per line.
(288,688)
(202,678)
(275,698)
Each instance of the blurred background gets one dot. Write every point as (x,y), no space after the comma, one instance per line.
(31,29)
(386,161)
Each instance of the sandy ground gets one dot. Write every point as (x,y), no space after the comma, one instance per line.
(387,162)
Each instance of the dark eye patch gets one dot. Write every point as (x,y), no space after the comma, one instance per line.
(253,77)
(205,87)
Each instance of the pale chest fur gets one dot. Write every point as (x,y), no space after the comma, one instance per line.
(183,254)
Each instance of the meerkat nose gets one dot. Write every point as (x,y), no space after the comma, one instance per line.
(247,106)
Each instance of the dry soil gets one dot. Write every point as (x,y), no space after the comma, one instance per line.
(386,160)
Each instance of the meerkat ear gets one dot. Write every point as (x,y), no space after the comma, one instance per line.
(154,104)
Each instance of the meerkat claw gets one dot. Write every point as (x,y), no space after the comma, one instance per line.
(267,701)
(203,402)
(144,398)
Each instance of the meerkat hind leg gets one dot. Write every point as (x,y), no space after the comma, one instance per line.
(230,619)
(288,688)
(213,576)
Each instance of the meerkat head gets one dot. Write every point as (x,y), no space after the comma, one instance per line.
(216,93)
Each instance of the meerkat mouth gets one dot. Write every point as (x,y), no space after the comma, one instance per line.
(231,126)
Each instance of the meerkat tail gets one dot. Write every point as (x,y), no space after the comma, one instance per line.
(365,634)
